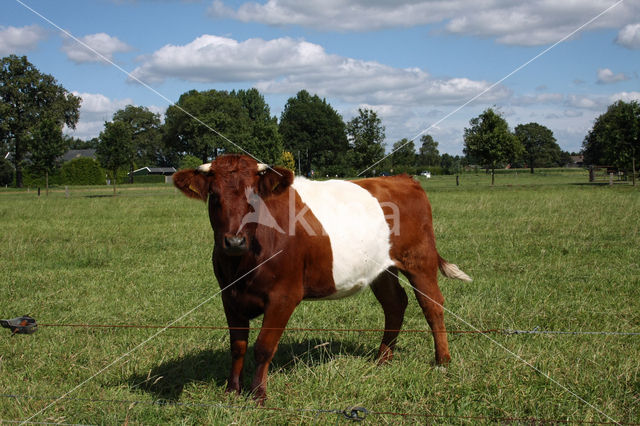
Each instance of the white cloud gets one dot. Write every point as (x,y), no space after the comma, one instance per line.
(539,98)
(629,36)
(98,104)
(606,76)
(102,43)
(211,58)
(573,113)
(341,15)
(624,96)
(14,40)
(95,109)
(599,102)
(582,101)
(287,65)
(521,22)
(531,23)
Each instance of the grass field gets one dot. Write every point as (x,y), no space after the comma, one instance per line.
(546,251)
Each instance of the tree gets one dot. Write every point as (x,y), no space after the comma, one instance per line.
(265,141)
(189,162)
(28,97)
(146,136)
(489,141)
(287,161)
(428,155)
(77,143)
(615,137)
(6,172)
(82,171)
(115,148)
(450,164)
(205,124)
(540,147)
(365,133)
(47,146)
(403,158)
(312,130)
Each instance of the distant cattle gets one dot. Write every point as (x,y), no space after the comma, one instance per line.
(280,240)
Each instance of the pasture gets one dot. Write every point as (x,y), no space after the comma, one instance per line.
(547,252)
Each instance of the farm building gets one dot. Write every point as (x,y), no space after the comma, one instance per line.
(167,172)
(72,154)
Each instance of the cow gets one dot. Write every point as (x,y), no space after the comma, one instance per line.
(279,240)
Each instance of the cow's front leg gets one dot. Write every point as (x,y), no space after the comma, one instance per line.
(239,336)
(275,320)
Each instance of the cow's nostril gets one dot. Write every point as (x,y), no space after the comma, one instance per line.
(235,241)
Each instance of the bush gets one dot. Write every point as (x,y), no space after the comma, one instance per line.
(33,179)
(287,161)
(6,172)
(82,171)
(122,176)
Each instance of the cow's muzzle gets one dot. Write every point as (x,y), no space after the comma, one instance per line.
(235,245)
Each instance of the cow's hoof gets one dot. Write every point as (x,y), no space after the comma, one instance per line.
(259,395)
(233,388)
(443,360)
(385,355)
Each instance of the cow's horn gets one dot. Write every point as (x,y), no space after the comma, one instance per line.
(204,168)
(262,167)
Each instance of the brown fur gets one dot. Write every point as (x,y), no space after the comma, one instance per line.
(413,249)
(303,269)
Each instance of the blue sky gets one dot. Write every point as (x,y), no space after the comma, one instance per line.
(414,62)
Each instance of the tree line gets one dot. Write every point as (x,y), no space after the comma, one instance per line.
(310,136)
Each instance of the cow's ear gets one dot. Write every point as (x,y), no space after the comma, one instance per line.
(192,183)
(274,180)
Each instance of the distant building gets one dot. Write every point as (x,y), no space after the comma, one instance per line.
(576,161)
(68,156)
(167,172)
(72,154)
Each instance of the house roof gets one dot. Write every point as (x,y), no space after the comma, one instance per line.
(67,156)
(155,171)
(78,153)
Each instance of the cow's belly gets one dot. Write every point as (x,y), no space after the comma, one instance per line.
(356,227)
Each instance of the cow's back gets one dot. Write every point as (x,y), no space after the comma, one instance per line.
(408,213)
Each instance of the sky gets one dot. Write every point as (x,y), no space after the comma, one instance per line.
(425,67)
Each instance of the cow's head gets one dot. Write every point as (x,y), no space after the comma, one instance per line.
(234,186)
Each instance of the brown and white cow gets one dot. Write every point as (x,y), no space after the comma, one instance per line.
(280,240)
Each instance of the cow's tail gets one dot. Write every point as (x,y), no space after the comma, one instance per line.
(450,270)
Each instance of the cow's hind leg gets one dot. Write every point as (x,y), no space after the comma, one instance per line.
(393,299)
(424,280)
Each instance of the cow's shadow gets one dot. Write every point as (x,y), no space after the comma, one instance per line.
(167,381)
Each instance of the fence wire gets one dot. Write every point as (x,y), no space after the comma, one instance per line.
(503,331)
(351,413)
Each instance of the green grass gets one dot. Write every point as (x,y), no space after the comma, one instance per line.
(545,251)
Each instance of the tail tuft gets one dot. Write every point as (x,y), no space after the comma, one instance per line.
(450,270)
